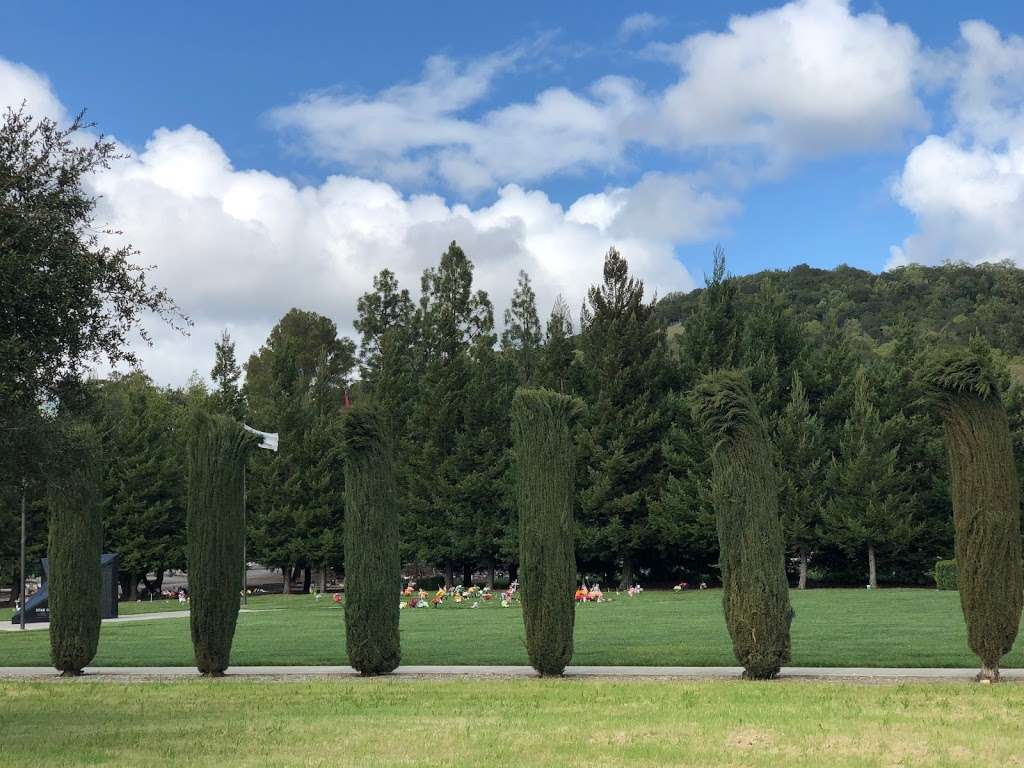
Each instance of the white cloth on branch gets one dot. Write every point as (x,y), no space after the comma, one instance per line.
(267,439)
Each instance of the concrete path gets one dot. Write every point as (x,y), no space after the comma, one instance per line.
(8,627)
(852,674)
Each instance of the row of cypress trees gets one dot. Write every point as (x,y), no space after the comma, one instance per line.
(961,385)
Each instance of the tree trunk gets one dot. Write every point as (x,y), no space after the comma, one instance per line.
(286,580)
(803,569)
(490,574)
(158,583)
(513,572)
(323,579)
(872,579)
(449,575)
(307,579)
(133,587)
(467,575)
(627,573)
(988,674)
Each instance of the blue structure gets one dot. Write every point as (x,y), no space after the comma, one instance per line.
(38,606)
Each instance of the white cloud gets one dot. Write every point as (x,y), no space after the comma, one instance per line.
(807,78)
(966,188)
(19,83)
(239,248)
(638,24)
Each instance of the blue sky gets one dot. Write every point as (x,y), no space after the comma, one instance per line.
(299,148)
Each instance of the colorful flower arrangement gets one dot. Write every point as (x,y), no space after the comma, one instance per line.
(459,595)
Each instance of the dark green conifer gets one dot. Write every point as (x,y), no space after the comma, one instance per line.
(986,500)
(745,490)
(75,546)
(545,484)
(372,564)
(217,451)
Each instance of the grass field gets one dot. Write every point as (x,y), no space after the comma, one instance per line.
(833,627)
(509,723)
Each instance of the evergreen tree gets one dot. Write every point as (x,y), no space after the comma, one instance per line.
(623,347)
(482,492)
(302,353)
(543,443)
(745,489)
(217,452)
(986,500)
(521,338)
(559,350)
(372,565)
(801,444)
(227,396)
(683,519)
(867,508)
(144,505)
(75,546)
(451,317)
(711,337)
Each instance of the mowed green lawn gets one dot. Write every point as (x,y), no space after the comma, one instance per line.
(509,723)
(833,627)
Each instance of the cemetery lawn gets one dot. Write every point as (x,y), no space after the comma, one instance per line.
(512,722)
(833,627)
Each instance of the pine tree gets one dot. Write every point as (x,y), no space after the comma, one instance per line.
(801,444)
(745,489)
(623,346)
(372,564)
(216,460)
(867,508)
(986,500)
(542,436)
(227,396)
(144,505)
(557,355)
(521,338)
(75,546)
(452,315)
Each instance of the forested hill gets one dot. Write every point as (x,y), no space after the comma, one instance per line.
(954,300)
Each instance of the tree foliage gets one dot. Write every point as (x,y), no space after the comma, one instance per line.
(986,499)
(75,546)
(545,487)
(217,451)
(745,489)
(372,562)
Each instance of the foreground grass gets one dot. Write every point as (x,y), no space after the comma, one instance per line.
(509,723)
(833,627)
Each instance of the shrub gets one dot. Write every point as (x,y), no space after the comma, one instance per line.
(373,569)
(986,500)
(217,450)
(745,490)
(545,487)
(75,545)
(945,574)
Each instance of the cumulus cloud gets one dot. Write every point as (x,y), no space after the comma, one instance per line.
(966,188)
(20,84)
(807,78)
(638,24)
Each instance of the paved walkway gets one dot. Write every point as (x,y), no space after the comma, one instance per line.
(853,674)
(8,627)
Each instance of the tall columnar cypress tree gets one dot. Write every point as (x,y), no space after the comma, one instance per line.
(372,562)
(745,490)
(545,486)
(986,500)
(75,546)
(217,451)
